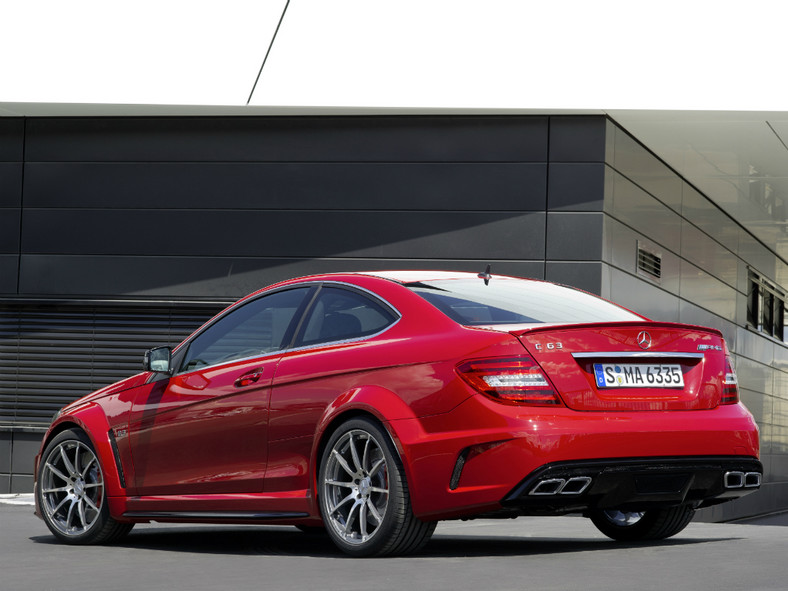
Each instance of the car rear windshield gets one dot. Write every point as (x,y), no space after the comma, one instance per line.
(516,301)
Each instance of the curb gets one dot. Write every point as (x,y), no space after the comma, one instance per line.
(17,499)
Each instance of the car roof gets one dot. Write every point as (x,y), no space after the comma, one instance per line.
(417,276)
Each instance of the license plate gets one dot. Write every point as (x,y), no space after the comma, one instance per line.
(638,375)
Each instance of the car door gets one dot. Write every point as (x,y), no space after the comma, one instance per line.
(334,351)
(204,430)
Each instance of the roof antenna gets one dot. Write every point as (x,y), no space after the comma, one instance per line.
(486,276)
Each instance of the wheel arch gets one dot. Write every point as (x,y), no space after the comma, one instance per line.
(379,404)
(92,421)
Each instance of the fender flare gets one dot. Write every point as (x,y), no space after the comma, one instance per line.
(375,401)
(91,420)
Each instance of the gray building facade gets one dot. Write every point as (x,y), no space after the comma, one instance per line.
(122,233)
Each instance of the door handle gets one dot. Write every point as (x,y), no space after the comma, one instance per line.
(249,378)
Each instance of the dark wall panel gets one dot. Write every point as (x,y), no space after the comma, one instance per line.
(11,154)
(26,446)
(577,139)
(9,270)
(10,184)
(576,186)
(326,139)
(583,275)
(6,440)
(9,231)
(574,236)
(296,185)
(285,233)
(11,139)
(215,199)
(215,277)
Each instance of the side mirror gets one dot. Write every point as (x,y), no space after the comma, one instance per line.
(158,360)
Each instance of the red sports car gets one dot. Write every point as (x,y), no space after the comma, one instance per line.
(376,404)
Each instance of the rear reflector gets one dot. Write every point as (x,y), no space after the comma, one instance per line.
(513,380)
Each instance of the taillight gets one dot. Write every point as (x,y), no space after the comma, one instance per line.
(513,380)
(730,385)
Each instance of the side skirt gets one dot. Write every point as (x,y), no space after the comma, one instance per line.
(212,516)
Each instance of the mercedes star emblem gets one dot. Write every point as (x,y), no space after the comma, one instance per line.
(644,339)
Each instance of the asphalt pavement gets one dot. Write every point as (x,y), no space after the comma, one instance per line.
(544,553)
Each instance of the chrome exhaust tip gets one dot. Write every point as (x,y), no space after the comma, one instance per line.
(734,479)
(551,486)
(752,480)
(576,485)
(561,486)
(742,479)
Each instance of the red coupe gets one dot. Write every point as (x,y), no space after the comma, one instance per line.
(374,405)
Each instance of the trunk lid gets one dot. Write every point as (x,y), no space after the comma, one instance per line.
(631,366)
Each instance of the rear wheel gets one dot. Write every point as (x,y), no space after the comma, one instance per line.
(71,492)
(654,524)
(364,497)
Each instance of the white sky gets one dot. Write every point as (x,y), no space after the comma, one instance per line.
(604,54)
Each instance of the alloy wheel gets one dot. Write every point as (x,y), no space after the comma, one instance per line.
(72,488)
(356,486)
(624,518)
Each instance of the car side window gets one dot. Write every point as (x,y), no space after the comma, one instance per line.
(340,314)
(256,328)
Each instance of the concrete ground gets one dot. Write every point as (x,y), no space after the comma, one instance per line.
(545,553)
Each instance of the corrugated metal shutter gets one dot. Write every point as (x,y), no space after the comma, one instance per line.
(53,353)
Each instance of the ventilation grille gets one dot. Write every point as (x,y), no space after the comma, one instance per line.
(649,263)
(51,354)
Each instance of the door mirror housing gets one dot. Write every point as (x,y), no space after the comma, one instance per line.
(158,359)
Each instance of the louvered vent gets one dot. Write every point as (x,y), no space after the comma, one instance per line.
(649,263)
(53,353)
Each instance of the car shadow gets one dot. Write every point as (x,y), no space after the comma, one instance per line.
(286,541)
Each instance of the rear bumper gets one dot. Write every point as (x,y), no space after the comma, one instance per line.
(477,458)
(633,484)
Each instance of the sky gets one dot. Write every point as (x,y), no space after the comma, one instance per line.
(608,54)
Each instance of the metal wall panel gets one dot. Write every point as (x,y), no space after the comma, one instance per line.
(576,186)
(219,277)
(11,139)
(9,270)
(574,236)
(11,155)
(578,139)
(706,256)
(252,233)
(583,275)
(289,139)
(10,184)
(9,230)
(192,191)
(401,186)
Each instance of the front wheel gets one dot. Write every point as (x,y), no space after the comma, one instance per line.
(71,492)
(653,524)
(364,497)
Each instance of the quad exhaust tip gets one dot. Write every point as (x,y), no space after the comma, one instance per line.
(742,479)
(561,486)
(579,484)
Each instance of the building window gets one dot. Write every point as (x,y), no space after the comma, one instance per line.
(766,307)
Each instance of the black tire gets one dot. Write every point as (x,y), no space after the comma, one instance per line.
(71,492)
(654,524)
(364,498)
